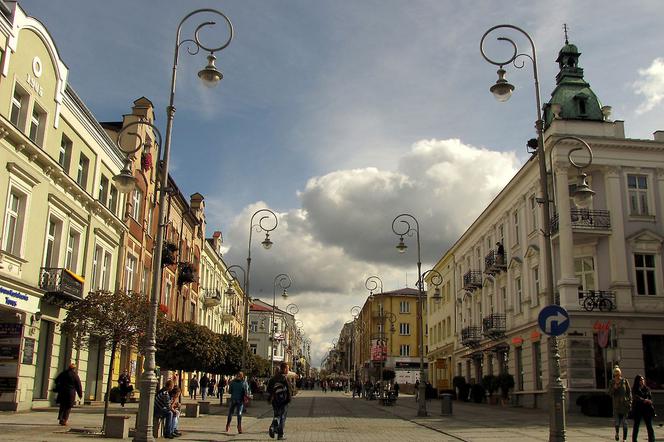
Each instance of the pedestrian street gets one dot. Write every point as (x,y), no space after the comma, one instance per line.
(332,416)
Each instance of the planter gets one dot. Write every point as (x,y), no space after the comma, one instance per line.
(169,254)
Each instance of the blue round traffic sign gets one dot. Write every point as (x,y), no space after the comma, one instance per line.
(553,320)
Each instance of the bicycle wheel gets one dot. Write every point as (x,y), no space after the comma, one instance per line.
(589,304)
(605,305)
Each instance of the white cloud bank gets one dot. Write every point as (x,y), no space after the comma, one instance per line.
(650,85)
(342,232)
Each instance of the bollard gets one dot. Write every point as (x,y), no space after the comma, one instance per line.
(446,404)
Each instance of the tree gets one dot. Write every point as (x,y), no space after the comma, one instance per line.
(235,351)
(189,347)
(259,366)
(119,318)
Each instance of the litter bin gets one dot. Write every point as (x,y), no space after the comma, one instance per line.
(446,404)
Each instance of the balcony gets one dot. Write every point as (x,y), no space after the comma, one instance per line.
(494,325)
(585,220)
(228,313)
(471,336)
(472,280)
(62,287)
(602,300)
(494,263)
(212,297)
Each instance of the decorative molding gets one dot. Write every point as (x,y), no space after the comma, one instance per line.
(15,169)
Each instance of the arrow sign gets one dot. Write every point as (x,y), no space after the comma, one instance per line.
(553,320)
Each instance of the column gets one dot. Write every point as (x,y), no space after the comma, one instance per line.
(617,250)
(568,284)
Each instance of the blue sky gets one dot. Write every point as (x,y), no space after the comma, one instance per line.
(339,115)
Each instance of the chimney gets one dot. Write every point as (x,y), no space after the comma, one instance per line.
(217,241)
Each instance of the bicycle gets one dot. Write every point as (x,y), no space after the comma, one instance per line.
(597,300)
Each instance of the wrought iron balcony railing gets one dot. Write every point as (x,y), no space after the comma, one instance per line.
(494,262)
(494,325)
(471,336)
(212,297)
(61,286)
(584,219)
(472,280)
(603,300)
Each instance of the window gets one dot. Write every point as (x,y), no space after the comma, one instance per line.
(37,125)
(101,268)
(169,289)
(253,328)
(537,365)
(193,312)
(136,198)
(150,213)
(19,107)
(82,174)
(503,299)
(584,269)
(65,153)
(533,213)
(113,200)
(404,329)
(130,271)
(253,348)
(404,350)
(103,190)
(14,222)
(73,242)
(501,234)
(519,295)
(536,287)
(637,186)
(653,358)
(53,237)
(404,307)
(518,356)
(644,265)
(516,227)
(145,280)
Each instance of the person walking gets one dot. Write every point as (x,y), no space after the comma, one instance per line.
(205,381)
(238,390)
(642,408)
(280,393)
(396,389)
(213,383)
(124,383)
(621,396)
(193,387)
(67,385)
(163,410)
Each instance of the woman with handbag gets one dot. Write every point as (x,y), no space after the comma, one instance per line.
(642,408)
(621,396)
(238,391)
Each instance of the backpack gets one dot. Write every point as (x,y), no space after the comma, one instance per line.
(280,393)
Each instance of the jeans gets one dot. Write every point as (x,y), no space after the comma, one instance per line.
(648,421)
(169,421)
(279,420)
(233,407)
(203,393)
(620,420)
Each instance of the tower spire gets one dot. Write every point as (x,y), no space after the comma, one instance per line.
(565,28)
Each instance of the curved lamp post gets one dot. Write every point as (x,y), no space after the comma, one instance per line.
(373,283)
(436,280)
(502,90)
(406,224)
(231,274)
(284,282)
(267,222)
(211,76)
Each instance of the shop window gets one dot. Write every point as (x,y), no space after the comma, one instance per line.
(653,360)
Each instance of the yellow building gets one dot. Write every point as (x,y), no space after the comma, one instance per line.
(60,221)
(442,333)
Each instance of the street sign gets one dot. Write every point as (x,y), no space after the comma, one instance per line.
(553,320)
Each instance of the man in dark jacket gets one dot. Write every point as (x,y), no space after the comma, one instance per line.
(279,392)
(204,382)
(67,385)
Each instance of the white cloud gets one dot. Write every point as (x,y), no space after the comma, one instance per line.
(342,232)
(650,85)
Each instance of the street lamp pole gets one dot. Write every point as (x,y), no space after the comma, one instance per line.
(401,225)
(502,90)
(284,281)
(264,215)
(210,75)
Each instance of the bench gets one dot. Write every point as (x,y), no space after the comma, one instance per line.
(192,410)
(117,427)
(204,407)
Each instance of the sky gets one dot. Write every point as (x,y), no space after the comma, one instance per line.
(340,115)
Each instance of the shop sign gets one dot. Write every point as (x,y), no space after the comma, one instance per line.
(18,300)
(517,340)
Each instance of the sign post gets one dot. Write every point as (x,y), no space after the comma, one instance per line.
(553,320)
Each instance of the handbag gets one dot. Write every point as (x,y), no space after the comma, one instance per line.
(245,400)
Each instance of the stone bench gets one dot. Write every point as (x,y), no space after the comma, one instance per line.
(204,407)
(117,426)
(191,410)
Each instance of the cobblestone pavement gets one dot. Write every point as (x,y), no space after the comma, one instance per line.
(315,416)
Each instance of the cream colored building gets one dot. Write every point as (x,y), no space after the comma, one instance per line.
(610,252)
(61,226)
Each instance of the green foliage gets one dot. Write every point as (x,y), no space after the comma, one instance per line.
(458,381)
(490,383)
(189,347)
(235,351)
(259,366)
(506,382)
(119,318)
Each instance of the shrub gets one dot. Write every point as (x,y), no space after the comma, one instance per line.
(506,383)
(490,384)
(464,392)
(478,393)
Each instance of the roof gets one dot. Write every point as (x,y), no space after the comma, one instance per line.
(406,291)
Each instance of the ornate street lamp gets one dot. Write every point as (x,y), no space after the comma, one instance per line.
(502,91)
(267,222)
(401,225)
(148,381)
(284,282)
